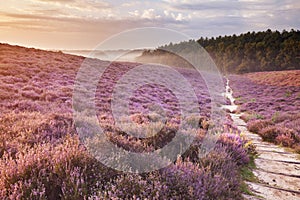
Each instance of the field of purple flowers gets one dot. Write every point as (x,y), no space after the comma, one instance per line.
(271,101)
(41,156)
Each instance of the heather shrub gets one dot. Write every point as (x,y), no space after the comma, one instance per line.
(214,176)
(285,140)
(256,125)
(234,145)
(211,178)
(63,171)
(41,156)
(49,96)
(26,106)
(231,143)
(228,126)
(5,95)
(55,127)
(36,89)
(30,94)
(229,154)
(185,180)
(277,133)
(132,186)
(30,128)
(271,132)
(17,129)
(293,123)
(26,189)
(275,100)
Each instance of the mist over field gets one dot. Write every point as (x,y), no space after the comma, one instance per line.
(109,55)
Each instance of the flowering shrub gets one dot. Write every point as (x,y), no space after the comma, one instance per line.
(29,128)
(256,125)
(286,139)
(41,156)
(275,112)
(61,171)
(270,133)
(132,186)
(234,145)
(210,178)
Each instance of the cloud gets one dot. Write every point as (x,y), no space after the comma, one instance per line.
(102,18)
(62,23)
(227,17)
(80,8)
(77,3)
(164,17)
(56,1)
(135,13)
(166,12)
(150,14)
(23,17)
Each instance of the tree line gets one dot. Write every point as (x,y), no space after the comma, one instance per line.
(248,52)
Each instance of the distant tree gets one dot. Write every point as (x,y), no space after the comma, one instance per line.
(249,52)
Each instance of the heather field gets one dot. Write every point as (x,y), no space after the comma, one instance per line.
(42,156)
(271,102)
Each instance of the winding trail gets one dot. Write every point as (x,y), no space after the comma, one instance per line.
(277,170)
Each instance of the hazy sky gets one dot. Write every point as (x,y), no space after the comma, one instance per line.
(82,24)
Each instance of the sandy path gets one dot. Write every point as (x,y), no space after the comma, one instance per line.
(278,171)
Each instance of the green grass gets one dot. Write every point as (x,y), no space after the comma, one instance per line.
(275,116)
(288,149)
(253,100)
(241,99)
(247,175)
(258,116)
(288,94)
(253,115)
(245,189)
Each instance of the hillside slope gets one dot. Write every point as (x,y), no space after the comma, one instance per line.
(42,156)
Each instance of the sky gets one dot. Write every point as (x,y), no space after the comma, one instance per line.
(83,24)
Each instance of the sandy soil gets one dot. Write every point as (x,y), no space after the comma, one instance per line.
(277,170)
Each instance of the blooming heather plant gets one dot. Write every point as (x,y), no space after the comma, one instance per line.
(41,156)
(256,125)
(61,171)
(30,128)
(208,179)
(274,114)
(211,178)
(133,186)
(234,145)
